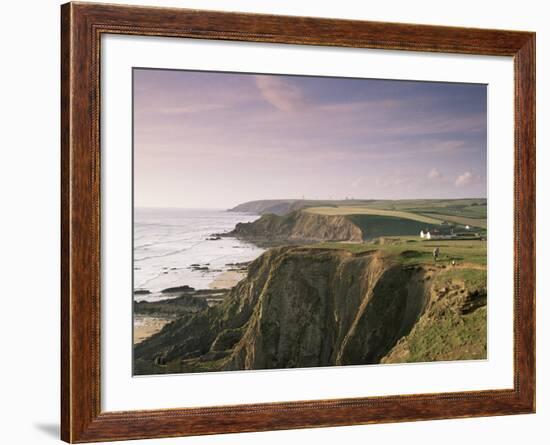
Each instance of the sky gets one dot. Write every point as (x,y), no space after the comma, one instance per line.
(215,140)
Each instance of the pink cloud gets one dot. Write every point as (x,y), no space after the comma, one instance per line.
(466,179)
(434,173)
(280,93)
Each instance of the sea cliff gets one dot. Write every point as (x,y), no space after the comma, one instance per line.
(298,227)
(305,227)
(303,307)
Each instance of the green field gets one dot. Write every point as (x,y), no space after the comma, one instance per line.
(475,207)
(374,226)
(462,220)
(412,250)
(361,210)
(459,212)
(454,323)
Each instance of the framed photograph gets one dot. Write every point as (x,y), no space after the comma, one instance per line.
(274,222)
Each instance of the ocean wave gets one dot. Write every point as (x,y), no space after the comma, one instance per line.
(175,252)
(164,251)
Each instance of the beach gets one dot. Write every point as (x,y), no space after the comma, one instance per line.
(145,326)
(227,279)
(180,247)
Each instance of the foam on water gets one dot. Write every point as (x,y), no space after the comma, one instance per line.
(168,241)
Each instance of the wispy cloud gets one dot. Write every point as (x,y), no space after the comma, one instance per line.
(189,109)
(281,93)
(377,106)
(442,123)
(466,179)
(280,136)
(434,173)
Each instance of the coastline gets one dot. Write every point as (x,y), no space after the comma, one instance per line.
(414,297)
(227,279)
(145,326)
(175,247)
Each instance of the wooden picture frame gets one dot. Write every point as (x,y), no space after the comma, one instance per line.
(82,25)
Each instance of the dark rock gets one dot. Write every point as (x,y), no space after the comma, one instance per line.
(184,304)
(160,360)
(296,308)
(173,290)
(226,339)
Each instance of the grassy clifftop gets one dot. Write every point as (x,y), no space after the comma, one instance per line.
(351,284)
(355,221)
(454,324)
(309,306)
(470,211)
(298,227)
(306,227)
(285,206)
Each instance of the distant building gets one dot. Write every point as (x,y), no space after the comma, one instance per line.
(447,232)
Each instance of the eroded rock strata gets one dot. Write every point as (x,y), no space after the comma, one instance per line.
(297,307)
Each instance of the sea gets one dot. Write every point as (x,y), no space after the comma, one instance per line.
(168,242)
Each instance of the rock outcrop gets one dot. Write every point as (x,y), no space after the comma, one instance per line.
(298,307)
(452,327)
(298,227)
(173,307)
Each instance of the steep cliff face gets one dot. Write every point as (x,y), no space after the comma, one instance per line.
(454,324)
(299,227)
(298,307)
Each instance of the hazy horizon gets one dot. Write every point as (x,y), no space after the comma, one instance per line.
(294,199)
(215,140)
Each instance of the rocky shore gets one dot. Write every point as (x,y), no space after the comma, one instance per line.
(305,306)
(151,316)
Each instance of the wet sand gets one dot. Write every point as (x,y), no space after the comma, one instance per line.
(227,280)
(145,326)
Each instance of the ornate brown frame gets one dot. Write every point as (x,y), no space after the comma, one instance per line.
(82,25)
